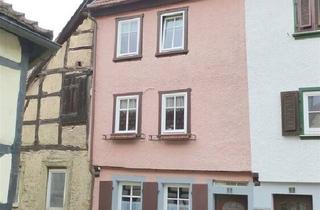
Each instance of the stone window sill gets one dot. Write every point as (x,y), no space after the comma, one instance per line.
(174,137)
(123,136)
(127,58)
(309,137)
(306,34)
(172,53)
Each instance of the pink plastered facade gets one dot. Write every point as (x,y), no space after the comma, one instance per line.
(215,71)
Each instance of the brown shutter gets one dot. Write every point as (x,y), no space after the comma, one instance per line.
(290,113)
(304,9)
(150,196)
(200,197)
(105,195)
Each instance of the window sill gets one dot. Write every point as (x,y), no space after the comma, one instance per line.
(173,137)
(172,53)
(127,58)
(123,136)
(310,137)
(306,34)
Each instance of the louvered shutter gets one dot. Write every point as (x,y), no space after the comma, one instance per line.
(150,196)
(304,10)
(105,195)
(290,113)
(199,197)
(74,100)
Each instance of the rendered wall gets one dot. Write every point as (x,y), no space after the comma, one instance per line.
(277,62)
(46,143)
(215,69)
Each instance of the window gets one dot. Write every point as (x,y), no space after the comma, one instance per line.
(129,32)
(297,202)
(307,15)
(74,99)
(172,31)
(177,197)
(130,196)
(174,112)
(128,113)
(56,189)
(311,112)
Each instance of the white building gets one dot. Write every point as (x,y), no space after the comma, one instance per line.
(283,45)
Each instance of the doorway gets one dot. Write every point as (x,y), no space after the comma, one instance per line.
(231,202)
(292,202)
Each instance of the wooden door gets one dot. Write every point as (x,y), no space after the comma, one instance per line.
(231,202)
(292,202)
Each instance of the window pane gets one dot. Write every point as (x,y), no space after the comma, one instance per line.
(132,103)
(133,42)
(125,204)
(168,39)
(134,26)
(180,118)
(122,120)
(124,43)
(169,102)
(179,21)
(125,27)
(169,23)
(169,119)
(123,104)
(136,204)
(172,205)
(132,120)
(172,192)
(314,120)
(184,192)
(314,103)
(178,33)
(57,189)
(126,189)
(136,191)
(180,101)
(183,205)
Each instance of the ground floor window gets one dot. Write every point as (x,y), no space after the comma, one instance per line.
(177,197)
(56,189)
(292,202)
(130,196)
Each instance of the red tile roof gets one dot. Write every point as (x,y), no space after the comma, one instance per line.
(7,10)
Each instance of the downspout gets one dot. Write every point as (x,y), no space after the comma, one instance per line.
(92,113)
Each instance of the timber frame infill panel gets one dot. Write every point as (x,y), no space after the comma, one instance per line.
(116,58)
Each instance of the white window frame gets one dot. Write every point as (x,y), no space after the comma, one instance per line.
(162,30)
(307,129)
(49,188)
(117,118)
(178,199)
(121,184)
(120,23)
(163,113)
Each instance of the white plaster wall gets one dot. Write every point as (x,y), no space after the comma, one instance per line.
(263,195)
(277,62)
(9,90)
(5,169)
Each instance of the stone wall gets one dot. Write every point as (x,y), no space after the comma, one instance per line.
(46,142)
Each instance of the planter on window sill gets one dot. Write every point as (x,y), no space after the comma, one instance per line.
(174,137)
(124,136)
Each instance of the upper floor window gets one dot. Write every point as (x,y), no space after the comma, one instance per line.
(127,113)
(74,99)
(56,189)
(175,108)
(177,197)
(307,15)
(301,112)
(130,196)
(128,37)
(311,112)
(173,26)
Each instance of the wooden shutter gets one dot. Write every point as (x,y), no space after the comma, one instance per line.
(290,113)
(304,10)
(74,99)
(150,196)
(199,197)
(105,195)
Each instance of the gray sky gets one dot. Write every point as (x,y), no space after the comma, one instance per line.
(51,14)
